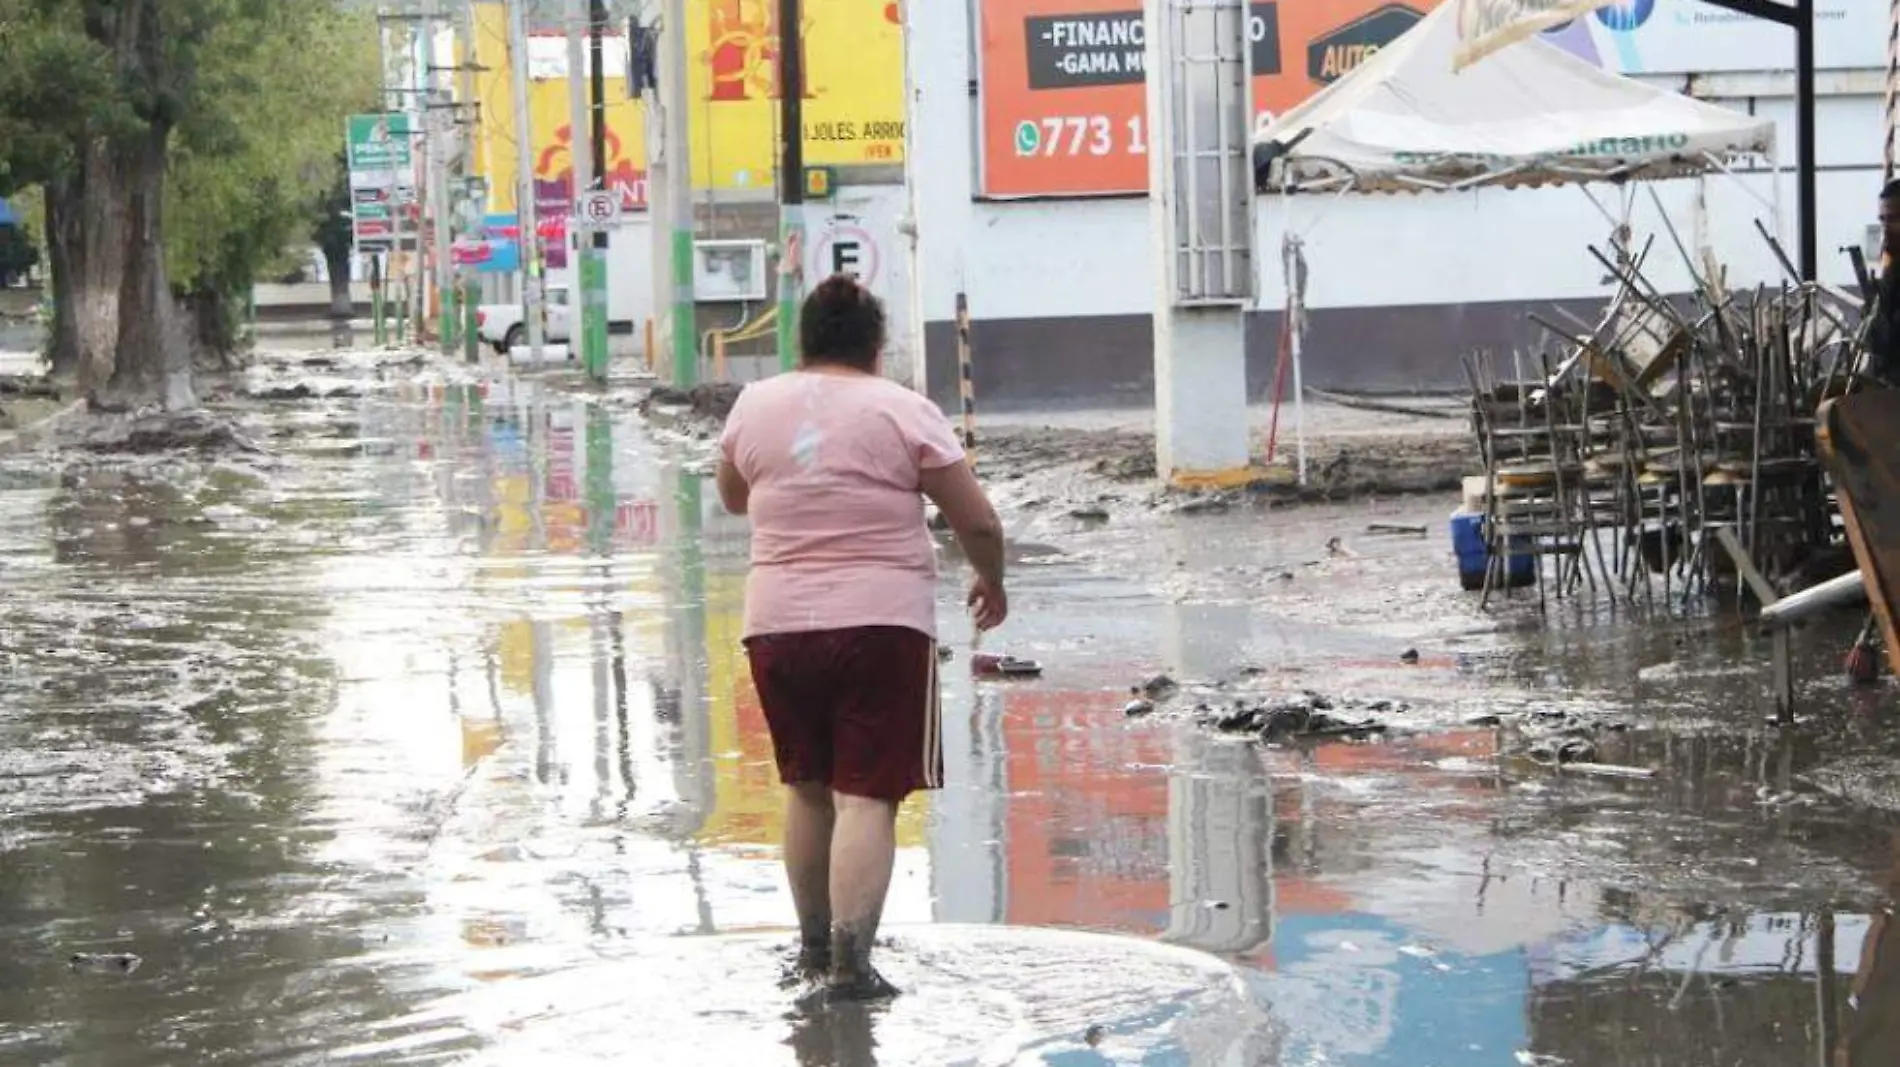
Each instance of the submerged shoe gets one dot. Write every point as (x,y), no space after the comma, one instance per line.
(808,966)
(867,987)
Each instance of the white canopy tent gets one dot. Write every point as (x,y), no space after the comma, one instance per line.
(1529,114)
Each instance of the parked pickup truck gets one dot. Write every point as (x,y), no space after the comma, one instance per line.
(503,327)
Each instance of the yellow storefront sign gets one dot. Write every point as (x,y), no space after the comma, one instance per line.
(853,108)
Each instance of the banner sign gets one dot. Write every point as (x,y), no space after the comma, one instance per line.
(1064,101)
(381,161)
(1692,37)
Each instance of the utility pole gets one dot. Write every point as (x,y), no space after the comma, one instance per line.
(579,227)
(471,116)
(419,110)
(586,277)
(675,182)
(594,302)
(791,180)
(438,112)
(528,245)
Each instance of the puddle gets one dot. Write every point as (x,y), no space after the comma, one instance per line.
(428,738)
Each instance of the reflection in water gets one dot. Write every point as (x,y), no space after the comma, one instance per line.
(394,733)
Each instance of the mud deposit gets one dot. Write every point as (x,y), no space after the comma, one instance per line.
(422,735)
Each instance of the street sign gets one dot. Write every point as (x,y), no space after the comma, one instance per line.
(382,180)
(599,207)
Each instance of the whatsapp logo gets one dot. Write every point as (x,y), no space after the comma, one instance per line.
(1028,138)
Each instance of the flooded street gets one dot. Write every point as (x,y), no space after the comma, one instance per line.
(424,736)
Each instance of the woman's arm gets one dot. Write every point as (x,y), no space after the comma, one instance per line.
(955,491)
(734,492)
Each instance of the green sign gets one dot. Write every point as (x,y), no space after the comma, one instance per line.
(379,142)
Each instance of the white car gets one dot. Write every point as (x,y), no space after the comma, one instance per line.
(502,325)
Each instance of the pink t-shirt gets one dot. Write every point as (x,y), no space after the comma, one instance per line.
(838,534)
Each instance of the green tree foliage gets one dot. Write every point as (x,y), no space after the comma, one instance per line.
(251,179)
(182,144)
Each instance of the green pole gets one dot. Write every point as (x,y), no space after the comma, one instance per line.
(593,267)
(376,298)
(471,329)
(685,322)
(790,277)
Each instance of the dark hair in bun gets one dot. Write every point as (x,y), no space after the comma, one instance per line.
(841,322)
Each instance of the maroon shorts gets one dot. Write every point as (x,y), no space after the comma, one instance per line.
(855,709)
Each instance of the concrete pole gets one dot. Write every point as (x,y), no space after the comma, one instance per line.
(682,317)
(425,189)
(1892,109)
(578,154)
(529,244)
(441,122)
(791,180)
(912,228)
(1201,204)
(472,163)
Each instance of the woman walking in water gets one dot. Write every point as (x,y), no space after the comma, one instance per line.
(833,463)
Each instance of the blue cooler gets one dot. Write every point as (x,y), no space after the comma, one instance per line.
(1467,542)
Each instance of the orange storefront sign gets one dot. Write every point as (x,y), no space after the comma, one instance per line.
(1064,92)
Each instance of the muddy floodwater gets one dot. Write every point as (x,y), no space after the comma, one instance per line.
(424,736)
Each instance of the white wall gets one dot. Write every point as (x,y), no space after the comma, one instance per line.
(1090,257)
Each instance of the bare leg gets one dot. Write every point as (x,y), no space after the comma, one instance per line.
(808,822)
(863,848)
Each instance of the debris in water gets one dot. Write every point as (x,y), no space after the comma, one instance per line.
(996,665)
(945,653)
(1562,750)
(179,432)
(1308,716)
(1484,719)
(1160,687)
(1609,770)
(1090,513)
(1138,707)
(105,962)
(710,401)
(1394,529)
(1410,655)
(1200,504)
(1094,1035)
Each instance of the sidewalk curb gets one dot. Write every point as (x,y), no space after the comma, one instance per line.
(26,437)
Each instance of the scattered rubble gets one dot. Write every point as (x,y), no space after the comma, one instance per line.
(105,962)
(711,401)
(187,431)
(302,391)
(1309,716)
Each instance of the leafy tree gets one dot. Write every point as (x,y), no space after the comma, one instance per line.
(177,140)
(246,186)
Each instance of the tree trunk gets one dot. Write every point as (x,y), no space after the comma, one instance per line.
(338,262)
(63,219)
(94,225)
(212,320)
(154,356)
